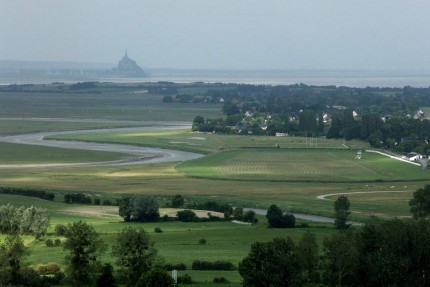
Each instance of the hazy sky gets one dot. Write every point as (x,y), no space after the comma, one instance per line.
(221,34)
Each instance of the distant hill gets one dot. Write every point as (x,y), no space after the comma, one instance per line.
(127,68)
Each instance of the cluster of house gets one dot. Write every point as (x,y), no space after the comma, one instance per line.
(413,156)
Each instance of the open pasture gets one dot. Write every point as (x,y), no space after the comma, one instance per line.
(21,126)
(374,203)
(301,165)
(118,105)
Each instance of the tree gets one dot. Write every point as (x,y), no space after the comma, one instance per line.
(273,263)
(106,278)
(420,202)
(134,252)
(198,122)
(35,221)
(145,209)
(84,246)
(186,215)
(277,219)
(11,251)
(341,212)
(125,208)
(307,252)
(230,109)
(139,208)
(177,201)
(10,218)
(274,215)
(155,278)
(307,121)
(340,260)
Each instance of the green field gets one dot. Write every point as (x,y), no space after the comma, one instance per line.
(14,126)
(178,243)
(114,105)
(301,165)
(31,154)
(208,143)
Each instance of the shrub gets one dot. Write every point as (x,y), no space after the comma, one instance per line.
(49,243)
(60,229)
(96,201)
(202,241)
(106,202)
(157,229)
(216,265)
(57,242)
(48,269)
(186,215)
(185,279)
(179,266)
(177,201)
(221,280)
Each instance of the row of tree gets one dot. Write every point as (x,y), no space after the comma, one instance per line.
(386,253)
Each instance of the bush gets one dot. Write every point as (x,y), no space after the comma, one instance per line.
(177,201)
(202,241)
(277,219)
(157,230)
(106,202)
(179,266)
(49,269)
(57,242)
(49,243)
(221,280)
(28,192)
(96,201)
(186,215)
(185,279)
(216,265)
(60,229)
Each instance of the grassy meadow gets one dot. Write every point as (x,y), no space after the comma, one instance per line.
(111,104)
(301,165)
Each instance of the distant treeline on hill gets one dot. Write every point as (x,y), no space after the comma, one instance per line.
(82,198)
(27,192)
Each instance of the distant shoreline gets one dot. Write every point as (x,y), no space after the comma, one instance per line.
(347,78)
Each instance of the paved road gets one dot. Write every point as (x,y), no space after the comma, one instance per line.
(309,217)
(139,155)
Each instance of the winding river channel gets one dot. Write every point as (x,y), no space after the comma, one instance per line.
(139,154)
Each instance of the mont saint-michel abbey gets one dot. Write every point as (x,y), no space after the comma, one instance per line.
(127,68)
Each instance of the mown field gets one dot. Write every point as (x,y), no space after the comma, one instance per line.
(178,243)
(301,165)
